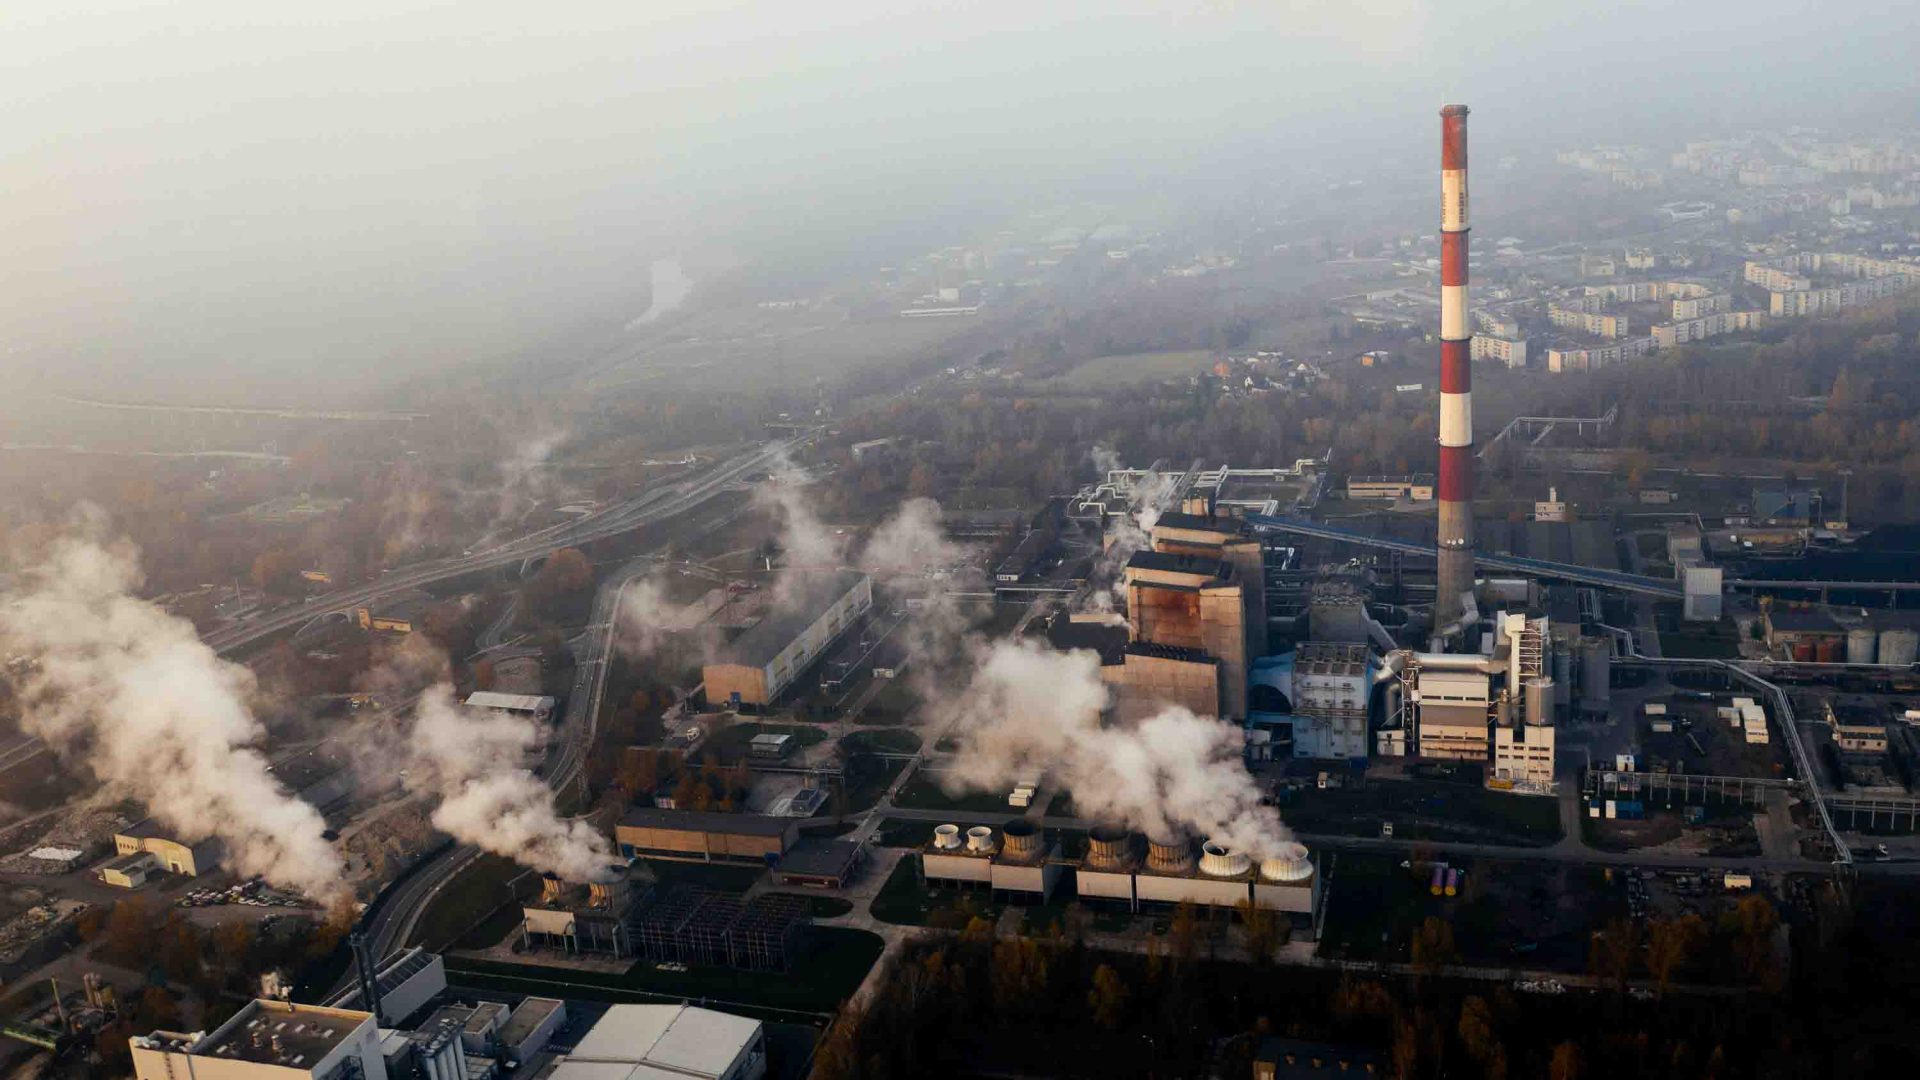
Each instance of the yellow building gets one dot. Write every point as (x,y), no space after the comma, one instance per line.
(176,856)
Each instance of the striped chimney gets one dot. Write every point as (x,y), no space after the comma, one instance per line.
(1455,573)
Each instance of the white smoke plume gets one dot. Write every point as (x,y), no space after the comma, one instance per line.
(912,541)
(1026,708)
(648,620)
(474,762)
(523,477)
(1129,533)
(119,685)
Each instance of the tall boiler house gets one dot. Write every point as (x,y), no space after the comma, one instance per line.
(1454,579)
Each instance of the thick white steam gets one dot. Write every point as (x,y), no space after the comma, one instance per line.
(912,541)
(474,761)
(1026,708)
(1129,533)
(119,685)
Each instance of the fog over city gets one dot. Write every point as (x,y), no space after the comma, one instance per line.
(268,199)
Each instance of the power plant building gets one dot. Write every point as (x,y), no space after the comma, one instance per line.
(703,836)
(177,856)
(1320,692)
(1019,861)
(267,1040)
(1123,866)
(657,1042)
(761,663)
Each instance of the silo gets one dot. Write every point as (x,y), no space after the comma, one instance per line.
(1860,643)
(1596,672)
(1540,702)
(1562,683)
(1897,647)
(1827,651)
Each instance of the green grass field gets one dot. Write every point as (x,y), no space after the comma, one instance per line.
(729,744)
(905,900)
(836,961)
(881,741)
(923,792)
(1137,367)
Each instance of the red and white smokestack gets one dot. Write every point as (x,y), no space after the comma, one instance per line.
(1455,533)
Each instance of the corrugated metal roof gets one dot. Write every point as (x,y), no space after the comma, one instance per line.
(658,1041)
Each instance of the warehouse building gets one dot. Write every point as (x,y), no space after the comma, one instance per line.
(765,660)
(817,863)
(528,705)
(644,1042)
(177,856)
(704,836)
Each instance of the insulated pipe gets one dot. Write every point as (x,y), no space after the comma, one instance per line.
(1455,532)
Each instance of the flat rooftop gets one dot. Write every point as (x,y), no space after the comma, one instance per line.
(528,1015)
(281,1033)
(649,817)
(819,591)
(1173,562)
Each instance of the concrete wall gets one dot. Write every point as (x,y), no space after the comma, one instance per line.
(1039,880)
(696,842)
(956,867)
(1198,890)
(1302,897)
(1104,884)
(1144,683)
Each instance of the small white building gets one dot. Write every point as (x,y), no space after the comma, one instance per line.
(539,708)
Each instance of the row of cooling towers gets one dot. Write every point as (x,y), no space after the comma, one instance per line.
(1115,848)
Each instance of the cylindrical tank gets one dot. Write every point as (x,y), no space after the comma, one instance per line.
(1827,649)
(1898,647)
(1219,860)
(1803,652)
(1291,864)
(946,837)
(1562,675)
(980,839)
(1453,882)
(1596,672)
(1021,838)
(1438,883)
(1169,854)
(1860,643)
(1540,698)
(1107,845)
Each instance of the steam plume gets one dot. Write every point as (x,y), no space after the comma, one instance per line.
(1026,708)
(911,542)
(1130,532)
(473,761)
(118,684)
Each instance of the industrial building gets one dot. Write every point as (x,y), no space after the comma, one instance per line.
(402,986)
(655,1042)
(1297,1059)
(128,871)
(704,836)
(539,709)
(533,1024)
(1018,863)
(267,1040)
(820,864)
(762,662)
(175,856)
(1417,488)
(1319,693)
(590,917)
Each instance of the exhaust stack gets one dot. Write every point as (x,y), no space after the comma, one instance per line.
(1455,534)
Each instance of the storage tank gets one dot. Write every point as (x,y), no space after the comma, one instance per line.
(1107,845)
(1596,672)
(1562,675)
(1453,882)
(946,837)
(1897,647)
(1169,855)
(1827,650)
(1291,864)
(1021,838)
(1803,652)
(1860,643)
(1219,860)
(980,839)
(1438,884)
(1540,702)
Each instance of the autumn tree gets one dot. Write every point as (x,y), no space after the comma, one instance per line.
(1565,1064)
(1614,951)
(1108,998)
(1670,943)
(1433,947)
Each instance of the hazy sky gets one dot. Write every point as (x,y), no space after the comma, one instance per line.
(234,186)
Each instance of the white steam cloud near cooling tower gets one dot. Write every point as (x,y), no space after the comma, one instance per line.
(121,687)
(472,762)
(1026,708)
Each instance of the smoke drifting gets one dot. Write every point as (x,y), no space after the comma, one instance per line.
(523,478)
(911,542)
(473,762)
(649,621)
(117,684)
(1130,532)
(1026,708)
